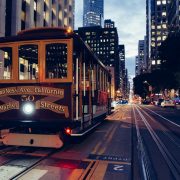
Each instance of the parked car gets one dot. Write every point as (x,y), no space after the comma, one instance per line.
(155,102)
(146,102)
(176,100)
(167,103)
(159,102)
(113,104)
(123,101)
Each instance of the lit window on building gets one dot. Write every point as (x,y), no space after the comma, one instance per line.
(158,2)
(163,13)
(153,62)
(164,2)
(158,61)
(164,38)
(152,27)
(164,26)
(87,33)
(159,38)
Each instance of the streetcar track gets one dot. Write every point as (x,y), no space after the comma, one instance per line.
(144,159)
(89,170)
(163,117)
(15,157)
(171,162)
(167,134)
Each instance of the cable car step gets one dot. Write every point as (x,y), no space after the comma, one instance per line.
(34,140)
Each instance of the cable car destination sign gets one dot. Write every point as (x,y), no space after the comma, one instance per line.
(35,90)
(27,94)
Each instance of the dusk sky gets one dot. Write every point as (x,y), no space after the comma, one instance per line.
(130,19)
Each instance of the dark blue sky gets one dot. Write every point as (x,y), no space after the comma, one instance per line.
(130,19)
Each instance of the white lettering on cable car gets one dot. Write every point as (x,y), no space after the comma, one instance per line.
(35,90)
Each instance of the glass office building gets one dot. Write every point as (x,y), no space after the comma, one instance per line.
(93,13)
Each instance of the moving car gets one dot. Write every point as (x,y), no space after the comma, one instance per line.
(167,103)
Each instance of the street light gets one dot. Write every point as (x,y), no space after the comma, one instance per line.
(150,88)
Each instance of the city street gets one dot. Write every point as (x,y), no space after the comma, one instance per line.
(158,141)
(103,154)
(133,142)
(89,90)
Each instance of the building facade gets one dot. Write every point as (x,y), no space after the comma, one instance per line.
(104,43)
(126,86)
(136,66)
(157,29)
(174,15)
(108,23)
(17,15)
(93,13)
(122,69)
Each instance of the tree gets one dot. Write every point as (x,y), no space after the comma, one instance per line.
(169,53)
(140,87)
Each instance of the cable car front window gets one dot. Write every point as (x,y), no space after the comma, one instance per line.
(28,62)
(56,61)
(5,63)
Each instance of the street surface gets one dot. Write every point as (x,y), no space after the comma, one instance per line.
(134,142)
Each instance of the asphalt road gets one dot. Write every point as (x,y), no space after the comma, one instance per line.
(158,130)
(106,153)
(135,142)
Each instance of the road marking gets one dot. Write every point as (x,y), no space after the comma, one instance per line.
(118,168)
(96,148)
(7,172)
(109,158)
(34,174)
(109,138)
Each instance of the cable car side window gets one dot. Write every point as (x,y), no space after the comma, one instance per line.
(28,62)
(5,63)
(56,61)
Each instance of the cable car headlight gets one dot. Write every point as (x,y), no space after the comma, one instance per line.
(28,108)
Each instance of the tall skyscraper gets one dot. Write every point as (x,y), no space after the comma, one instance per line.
(16,15)
(104,43)
(93,14)
(122,68)
(157,29)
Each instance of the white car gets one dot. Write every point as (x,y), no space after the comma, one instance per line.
(167,103)
(113,104)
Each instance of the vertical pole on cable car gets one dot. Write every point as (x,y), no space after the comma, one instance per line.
(77,88)
(92,89)
(84,85)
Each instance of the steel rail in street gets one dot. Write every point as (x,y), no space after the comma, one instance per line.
(171,162)
(26,151)
(147,171)
(163,117)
